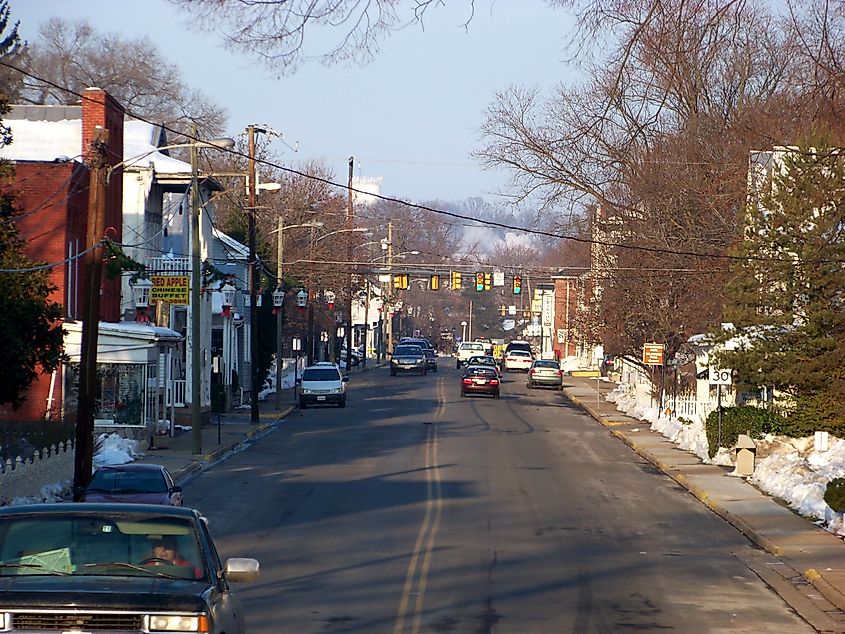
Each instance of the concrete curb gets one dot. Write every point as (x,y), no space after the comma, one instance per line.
(829,591)
(213,456)
(737,522)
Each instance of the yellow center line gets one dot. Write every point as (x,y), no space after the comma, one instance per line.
(424,547)
(429,549)
(399,627)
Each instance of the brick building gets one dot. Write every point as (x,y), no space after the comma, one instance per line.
(53,195)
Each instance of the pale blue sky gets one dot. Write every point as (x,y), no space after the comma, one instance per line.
(411,116)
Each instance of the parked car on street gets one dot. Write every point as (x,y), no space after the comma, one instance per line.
(480,379)
(545,372)
(322,384)
(517,360)
(136,482)
(81,567)
(430,359)
(408,358)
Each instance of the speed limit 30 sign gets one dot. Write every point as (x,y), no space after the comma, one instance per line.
(720,376)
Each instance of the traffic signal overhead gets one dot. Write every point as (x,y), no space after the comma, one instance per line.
(457,281)
(517,284)
(479,282)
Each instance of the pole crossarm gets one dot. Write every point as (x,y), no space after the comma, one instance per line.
(220,144)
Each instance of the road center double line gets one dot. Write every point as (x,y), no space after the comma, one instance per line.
(418,567)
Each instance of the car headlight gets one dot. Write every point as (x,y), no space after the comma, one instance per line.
(306,390)
(337,390)
(178,623)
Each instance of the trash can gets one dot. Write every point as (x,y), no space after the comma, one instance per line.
(746,451)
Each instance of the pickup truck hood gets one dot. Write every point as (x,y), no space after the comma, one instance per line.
(104,593)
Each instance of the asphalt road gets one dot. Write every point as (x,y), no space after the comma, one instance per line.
(414,510)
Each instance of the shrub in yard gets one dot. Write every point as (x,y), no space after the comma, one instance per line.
(834,495)
(742,419)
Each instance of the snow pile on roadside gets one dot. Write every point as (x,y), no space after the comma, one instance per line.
(114,449)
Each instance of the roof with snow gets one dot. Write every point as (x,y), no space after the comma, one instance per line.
(54,133)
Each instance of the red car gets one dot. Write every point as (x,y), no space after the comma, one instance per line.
(141,483)
(480,379)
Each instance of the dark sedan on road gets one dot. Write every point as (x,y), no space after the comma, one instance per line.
(81,567)
(408,358)
(137,482)
(430,359)
(480,379)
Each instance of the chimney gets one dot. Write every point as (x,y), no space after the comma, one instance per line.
(101,110)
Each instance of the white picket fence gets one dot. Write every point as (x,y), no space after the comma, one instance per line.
(26,477)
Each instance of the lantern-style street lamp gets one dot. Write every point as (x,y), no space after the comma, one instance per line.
(141,289)
(302,298)
(227,292)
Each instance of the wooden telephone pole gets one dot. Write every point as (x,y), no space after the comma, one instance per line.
(92,267)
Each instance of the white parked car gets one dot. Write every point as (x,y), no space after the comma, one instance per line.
(517,360)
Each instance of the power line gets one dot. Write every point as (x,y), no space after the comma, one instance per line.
(481,221)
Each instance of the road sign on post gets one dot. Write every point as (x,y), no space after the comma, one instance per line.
(653,353)
(720,376)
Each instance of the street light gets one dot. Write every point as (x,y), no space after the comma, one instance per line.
(279,297)
(331,233)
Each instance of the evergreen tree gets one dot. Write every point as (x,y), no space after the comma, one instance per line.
(30,323)
(786,299)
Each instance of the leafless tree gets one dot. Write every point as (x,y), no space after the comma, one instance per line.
(69,57)
(279,32)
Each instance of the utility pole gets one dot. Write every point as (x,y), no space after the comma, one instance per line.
(390,287)
(349,223)
(253,282)
(280,315)
(93,270)
(196,299)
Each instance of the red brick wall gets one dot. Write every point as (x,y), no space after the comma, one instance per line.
(99,109)
(54,199)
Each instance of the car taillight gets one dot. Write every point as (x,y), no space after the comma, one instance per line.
(467,381)
(533,370)
(494,381)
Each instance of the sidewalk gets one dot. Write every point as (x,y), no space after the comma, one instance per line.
(806,550)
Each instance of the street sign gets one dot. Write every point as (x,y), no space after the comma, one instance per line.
(720,376)
(653,353)
(498,278)
(172,289)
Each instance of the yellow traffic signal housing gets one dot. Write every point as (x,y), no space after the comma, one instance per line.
(434,283)
(457,281)
(517,284)
(488,281)
(400,281)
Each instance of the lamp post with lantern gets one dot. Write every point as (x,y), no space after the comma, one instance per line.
(227,292)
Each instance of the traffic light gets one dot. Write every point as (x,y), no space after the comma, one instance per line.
(479,282)
(400,281)
(488,281)
(434,282)
(457,281)
(517,284)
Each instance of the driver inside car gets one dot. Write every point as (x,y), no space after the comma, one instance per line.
(165,551)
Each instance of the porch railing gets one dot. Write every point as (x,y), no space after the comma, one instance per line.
(176,393)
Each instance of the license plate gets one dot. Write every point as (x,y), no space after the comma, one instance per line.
(321,398)
(480,381)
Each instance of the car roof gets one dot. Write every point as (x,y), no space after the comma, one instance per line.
(132,466)
(118,508)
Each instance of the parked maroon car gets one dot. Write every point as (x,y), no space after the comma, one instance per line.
(480,379)
(139,483)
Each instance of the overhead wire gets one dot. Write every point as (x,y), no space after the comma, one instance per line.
(421,207)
